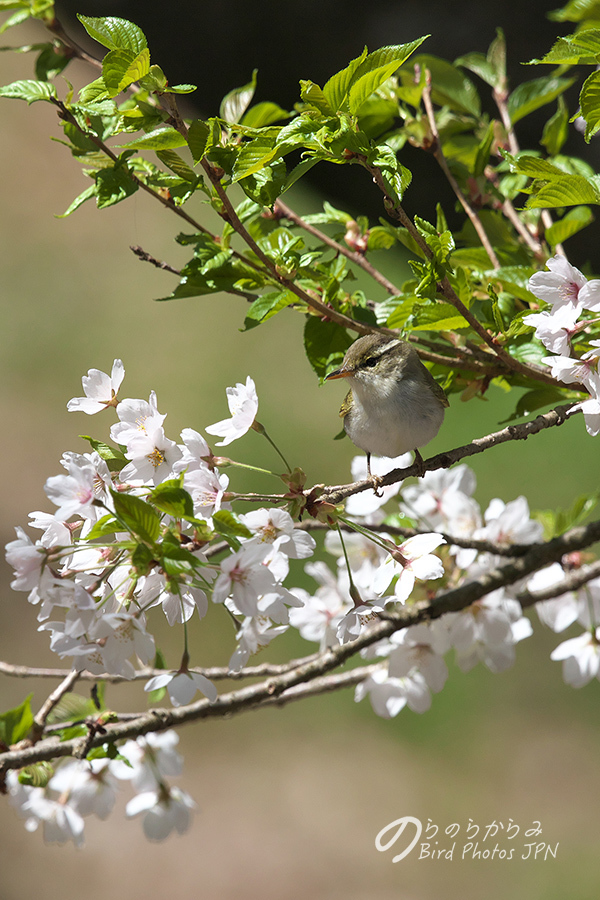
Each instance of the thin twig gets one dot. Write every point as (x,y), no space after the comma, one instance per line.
(441,159)
(53,699)
(358,258)
(273,690)
(336,494)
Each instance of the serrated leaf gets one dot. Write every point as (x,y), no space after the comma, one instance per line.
(176,164)
(375,70)
(576,11)
(228,525)
(103,527)
(312,94)
(267,306)
(31,91)
(254,156)
(115,33)
(139,517)
(197,138)
(165,138)
(15,723)
(589,99)
(120,68)
(171,498)
(181,89)
(531,95)
(437,317)
(570,190)
(114,458)
(113,185)
(336,88)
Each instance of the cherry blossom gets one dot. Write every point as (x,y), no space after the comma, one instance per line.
(100,390)
(243,406)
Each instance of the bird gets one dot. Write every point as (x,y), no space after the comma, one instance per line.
(394,404)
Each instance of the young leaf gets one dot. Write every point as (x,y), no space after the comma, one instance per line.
(137,515)
(556,129)
(531,95)
(165,138)
(336,88)
(15,723)
(237,101)
(572,222)
(120,68)
(325,344)
(115,33)
(449,86)
(171,498)
(228,525)
(589,99)
(29,91)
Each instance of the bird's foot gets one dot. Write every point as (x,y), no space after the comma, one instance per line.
(376,482)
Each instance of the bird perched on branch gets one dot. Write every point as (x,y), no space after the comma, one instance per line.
(394,404)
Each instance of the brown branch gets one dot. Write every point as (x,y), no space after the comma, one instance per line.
(358,258)
(441,159)
(336,494)
(273,690)
(574,580)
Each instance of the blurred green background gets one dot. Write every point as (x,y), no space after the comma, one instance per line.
(290,800)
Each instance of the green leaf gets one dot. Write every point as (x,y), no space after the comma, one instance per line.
(325,344)
(253,156)
(237,101)
(171,498)
(490,68)
(31,91)
(375,71)
(113,457)
(449,86)
(483,151)
(228,525)
(103,527)
(263,114)
(15,723)
(165,138)
(534,400)
(570,190)
(181,89)
(175,163)
(139,517)
(401,312)
(589,99)
(531,95)
(49,63)
(79,201)
(120,68)
(267,306)
(437,317)
(336,88)
(556,129)
(197,138)
(572,222)
(312,94)
(576,11)
(115,33)
(113,185)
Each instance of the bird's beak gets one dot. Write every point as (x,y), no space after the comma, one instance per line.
(343,372)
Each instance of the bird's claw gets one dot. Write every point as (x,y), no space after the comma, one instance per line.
(376,482)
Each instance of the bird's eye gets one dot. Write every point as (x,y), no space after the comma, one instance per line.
(370,362)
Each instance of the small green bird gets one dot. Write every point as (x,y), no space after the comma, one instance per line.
(394,404)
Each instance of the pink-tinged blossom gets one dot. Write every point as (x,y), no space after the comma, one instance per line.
(136,417)
(243,406)
(75,493)
(580,657)
(275,527)
(152,458)
(573,371)
(416,561)
(389,696)
(207,488)
(244,578)
(27,559)
(182,686)
(555,329)
(100,390)
(56,533)
(163,811)
(564,285)
(365,558)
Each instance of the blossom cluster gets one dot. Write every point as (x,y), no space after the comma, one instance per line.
(144,525)
(569,296)
(89,787)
